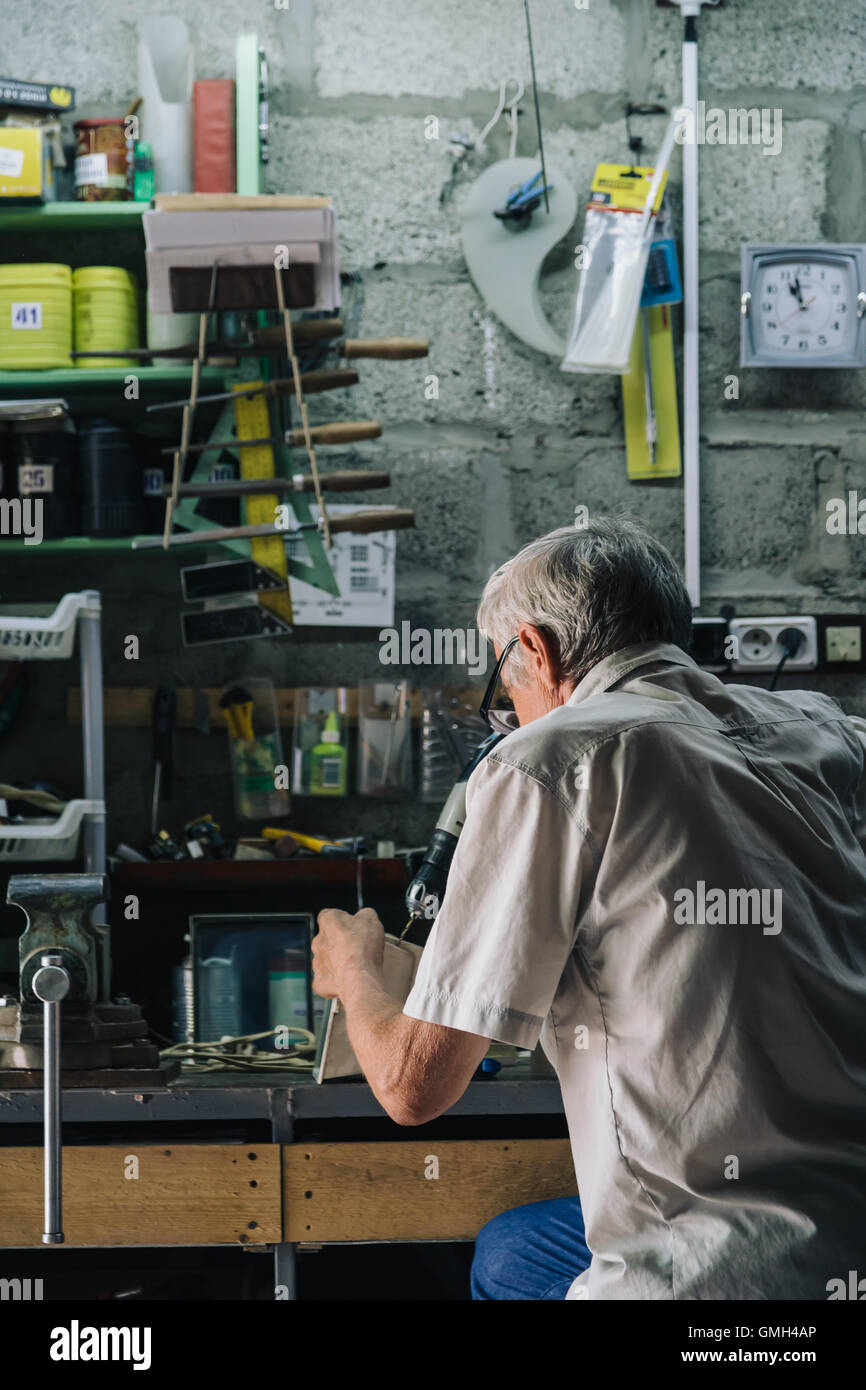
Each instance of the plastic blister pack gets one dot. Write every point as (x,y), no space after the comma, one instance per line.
(616,242)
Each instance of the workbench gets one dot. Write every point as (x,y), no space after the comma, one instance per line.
(274,1160)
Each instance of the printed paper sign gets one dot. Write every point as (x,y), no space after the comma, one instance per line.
(363,566)
(11,163)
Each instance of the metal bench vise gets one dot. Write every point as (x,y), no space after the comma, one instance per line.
(94,1043)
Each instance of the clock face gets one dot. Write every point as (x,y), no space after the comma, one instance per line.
(807,308)
(802,307)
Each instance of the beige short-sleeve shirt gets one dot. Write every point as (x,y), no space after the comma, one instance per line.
(665,881)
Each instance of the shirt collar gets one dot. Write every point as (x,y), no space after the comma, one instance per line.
(615,668)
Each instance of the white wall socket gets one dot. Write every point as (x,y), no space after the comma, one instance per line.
(759,649)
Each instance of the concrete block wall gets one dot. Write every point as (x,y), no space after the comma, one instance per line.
(511,445)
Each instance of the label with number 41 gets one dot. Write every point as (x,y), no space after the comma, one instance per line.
(27,315)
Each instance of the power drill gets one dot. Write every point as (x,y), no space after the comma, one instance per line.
(427,889)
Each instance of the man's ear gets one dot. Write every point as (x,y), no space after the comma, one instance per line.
(540,653)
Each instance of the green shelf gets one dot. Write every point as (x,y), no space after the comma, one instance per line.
(55,381)
(79,543)
(66,217)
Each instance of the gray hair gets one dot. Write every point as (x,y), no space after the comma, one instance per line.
(594,590)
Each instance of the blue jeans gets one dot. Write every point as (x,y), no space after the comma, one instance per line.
(532,1252)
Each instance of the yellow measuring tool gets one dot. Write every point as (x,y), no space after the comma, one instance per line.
(252,421)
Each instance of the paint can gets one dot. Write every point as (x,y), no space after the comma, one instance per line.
(35,317)
(112,503)
(105,310)
(45,466)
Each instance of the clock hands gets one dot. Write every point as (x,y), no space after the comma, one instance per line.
(795,290)
(799,309)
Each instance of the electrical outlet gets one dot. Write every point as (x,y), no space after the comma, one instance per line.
(759,647)
(842,642)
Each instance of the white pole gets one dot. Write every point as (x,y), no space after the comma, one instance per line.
(691,401)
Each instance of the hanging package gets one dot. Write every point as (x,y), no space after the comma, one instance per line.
(616,241)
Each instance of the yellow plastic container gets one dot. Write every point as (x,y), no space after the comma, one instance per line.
(35,317)
(105,300)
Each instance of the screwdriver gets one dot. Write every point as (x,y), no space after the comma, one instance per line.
(237,706)
(164,710)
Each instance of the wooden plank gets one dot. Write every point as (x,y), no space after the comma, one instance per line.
(189,1194)
(433,1190)
(131,706)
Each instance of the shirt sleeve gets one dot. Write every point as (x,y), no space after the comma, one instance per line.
(860,811)
(507,925)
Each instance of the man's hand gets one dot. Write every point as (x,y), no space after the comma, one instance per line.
(346,944)
(416,1070)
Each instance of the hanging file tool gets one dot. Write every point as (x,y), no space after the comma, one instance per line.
(652,432)
(649,387)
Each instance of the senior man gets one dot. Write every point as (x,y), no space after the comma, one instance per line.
(663,878)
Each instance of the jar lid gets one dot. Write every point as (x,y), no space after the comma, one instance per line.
(43,271)
(17,411)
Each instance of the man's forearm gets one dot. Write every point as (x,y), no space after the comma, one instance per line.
(416,1070)
(377,1029)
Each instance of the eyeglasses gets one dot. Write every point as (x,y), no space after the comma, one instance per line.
(484,707)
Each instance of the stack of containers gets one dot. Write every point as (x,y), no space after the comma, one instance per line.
(35,317)
(105,300)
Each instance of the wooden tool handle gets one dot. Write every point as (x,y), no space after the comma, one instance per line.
(397,520)
(387,349)
(311,382)
(304,331)
(346,480)
(341,432)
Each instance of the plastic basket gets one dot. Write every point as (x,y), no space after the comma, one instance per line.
(42,639)
(48,839)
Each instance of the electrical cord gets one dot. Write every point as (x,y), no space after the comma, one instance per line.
(239,1054)
(792,640)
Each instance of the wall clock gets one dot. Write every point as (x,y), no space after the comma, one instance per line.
(803,305)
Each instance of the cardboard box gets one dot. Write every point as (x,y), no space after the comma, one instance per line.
(26,165)
(36,96)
